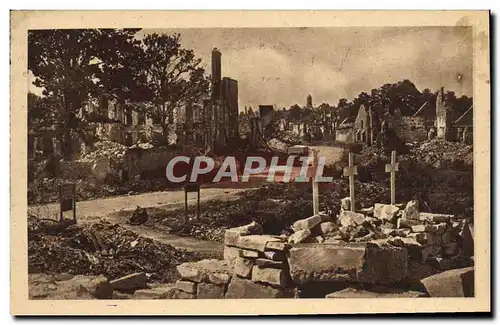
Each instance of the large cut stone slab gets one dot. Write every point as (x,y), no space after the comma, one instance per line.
(299,236)
(256,242)
(452,283)
(210,291)
(308,223)
(351,219)
(435,217)
(385,211)
(231,254)
(411,211)
(163,291)
(359,293)
(275,277)
(232,235)
(243,267)
(130,282)
(186,286)
(80,287)
(362,262)
(200,271)
(246,289)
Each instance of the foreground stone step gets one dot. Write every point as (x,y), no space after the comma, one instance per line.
(163,291)
(130,282)
(361,262)
(452,283)
(360,293)
(80,287)
(246,289)
(204,270)
(210,291)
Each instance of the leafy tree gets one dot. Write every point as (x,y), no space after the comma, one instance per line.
(171,76)
(74,64)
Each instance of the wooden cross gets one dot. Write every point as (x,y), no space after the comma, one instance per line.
(351,171)
(392,168)
(192,187)
(315,183)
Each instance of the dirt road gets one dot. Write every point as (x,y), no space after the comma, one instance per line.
(90,211)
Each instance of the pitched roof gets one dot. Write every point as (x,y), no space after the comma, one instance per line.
(466,119)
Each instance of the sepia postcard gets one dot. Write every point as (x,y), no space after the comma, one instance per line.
(238,162)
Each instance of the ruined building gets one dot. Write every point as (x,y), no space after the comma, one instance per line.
(443,116)
(309,102)
(220,113)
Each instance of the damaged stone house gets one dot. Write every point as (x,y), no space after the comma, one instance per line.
(426,121)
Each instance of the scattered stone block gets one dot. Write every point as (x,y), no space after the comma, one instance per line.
(210,291)
(245,289)
(277,246)
(299,236)
(452,283)
(351,219)
(183,295)
(406,223)
(97,286)
(243,267)
(245,253)
(434,217)
(201,270)
(306,224)
(327,227)
(232,235)
(219,278)
(411,211)
(432,250)
(345,204)
(325,217)
(256,242)
(163,291)
(424,238)
(186,286)
(423,228)
(275,277)
(367,211)
(262,262)
(388,293)
(130,282)
(231,254)
(362,262)
(274,255)
(385,211)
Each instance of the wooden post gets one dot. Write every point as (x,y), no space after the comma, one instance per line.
(392,168)
(315,183)
(351,171)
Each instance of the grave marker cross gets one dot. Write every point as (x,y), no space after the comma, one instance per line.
(351,171)
(392,168)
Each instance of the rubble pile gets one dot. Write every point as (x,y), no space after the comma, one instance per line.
(444,154)
(277,145)
(100,248)
(105,149)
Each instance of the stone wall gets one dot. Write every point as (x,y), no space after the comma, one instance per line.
(413,128)
(389,246)
(344,135)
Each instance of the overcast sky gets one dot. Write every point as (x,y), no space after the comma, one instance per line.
(283,65)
